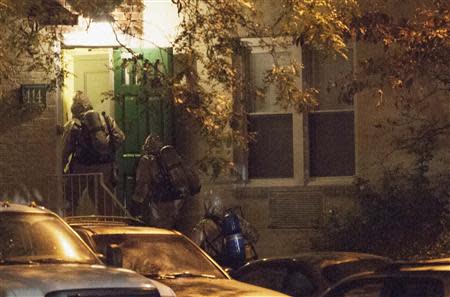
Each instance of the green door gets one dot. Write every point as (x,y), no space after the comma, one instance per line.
(142,106)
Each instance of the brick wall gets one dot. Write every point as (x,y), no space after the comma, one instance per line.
(287,218)
(29,142)
(28,145)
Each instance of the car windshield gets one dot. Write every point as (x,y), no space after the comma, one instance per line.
(160,255)
(30,238)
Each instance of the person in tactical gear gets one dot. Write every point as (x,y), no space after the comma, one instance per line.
(151,202)
(90,141)
(224,234)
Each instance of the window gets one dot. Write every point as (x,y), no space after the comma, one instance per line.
(331,143)
(331,129)
(273,144)
(290,147)
(272,154)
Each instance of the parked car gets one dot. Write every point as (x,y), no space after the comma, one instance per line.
(40,255)
(163,254)
(307,274)
(420,279)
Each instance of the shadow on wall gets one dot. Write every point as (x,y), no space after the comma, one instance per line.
(23,195)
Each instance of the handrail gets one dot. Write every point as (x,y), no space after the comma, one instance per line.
(75,185)
(114,198)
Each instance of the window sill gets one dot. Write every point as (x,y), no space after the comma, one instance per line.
(269,182)
(331,181)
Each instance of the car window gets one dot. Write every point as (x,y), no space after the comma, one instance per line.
(158,254)
(298,284)
(83,234)
(14,241)
(390,287)
(40,238)
(271,277)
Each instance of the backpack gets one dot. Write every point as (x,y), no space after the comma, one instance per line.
(94,145)
(182,180)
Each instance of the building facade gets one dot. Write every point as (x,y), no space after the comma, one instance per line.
(301,170)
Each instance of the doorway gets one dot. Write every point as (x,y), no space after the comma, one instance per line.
(97,71)
(90,71)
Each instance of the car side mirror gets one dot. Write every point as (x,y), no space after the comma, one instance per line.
(114,255)
(228,270)
(101,256)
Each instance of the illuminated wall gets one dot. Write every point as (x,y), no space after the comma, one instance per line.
(160,19)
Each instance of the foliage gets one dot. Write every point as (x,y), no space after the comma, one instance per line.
(407,66)
(321,24)
(406,214)
(406,217)
(26,44)
(209,45)
(94,8)
(209,38)
(414,54)
(30,32)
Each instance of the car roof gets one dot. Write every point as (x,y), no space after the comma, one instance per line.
(324,257)
(10,207)
(336,256)
(437,264)
(409,268)
(430,271)
(329,266)
(419,271)
(115,229)
(114,225)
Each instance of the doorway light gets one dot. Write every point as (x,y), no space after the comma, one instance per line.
(91,33)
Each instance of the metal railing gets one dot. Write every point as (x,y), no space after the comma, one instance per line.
(87,194)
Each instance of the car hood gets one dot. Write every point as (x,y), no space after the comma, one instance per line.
(163,289)
(44,278)
(199,287)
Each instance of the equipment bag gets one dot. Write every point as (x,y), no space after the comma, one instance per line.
(183,181)
(94,141)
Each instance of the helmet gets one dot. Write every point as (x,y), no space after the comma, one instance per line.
(152,144)
(213,205)
(81,103)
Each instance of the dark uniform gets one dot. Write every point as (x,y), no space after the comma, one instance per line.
(148,201)
(208,233)
(75,161)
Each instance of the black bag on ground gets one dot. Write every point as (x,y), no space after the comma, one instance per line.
(94,142)
(183,181)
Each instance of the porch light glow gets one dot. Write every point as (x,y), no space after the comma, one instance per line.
(160,26)
(91,34)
